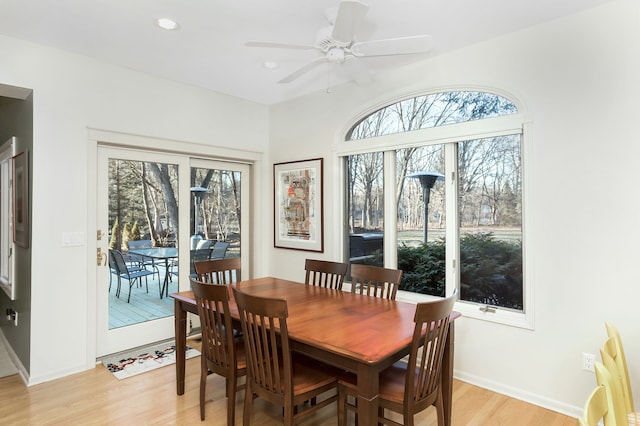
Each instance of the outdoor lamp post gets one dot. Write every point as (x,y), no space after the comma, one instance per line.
(197,192)
(427,180)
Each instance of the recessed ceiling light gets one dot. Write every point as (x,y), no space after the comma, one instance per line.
(167,24)
(270,64)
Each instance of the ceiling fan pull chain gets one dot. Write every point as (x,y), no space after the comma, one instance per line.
(328,77)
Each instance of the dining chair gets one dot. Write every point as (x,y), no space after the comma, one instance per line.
(129,272)
(408,388)
(596,407)
(219,249)
(324,273)
(218,271)
(222,353)
(375,280)
(616,413)
(616,351)
(613,361)
(273,372)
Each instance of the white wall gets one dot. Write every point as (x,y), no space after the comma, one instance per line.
(578,80)
(71,94)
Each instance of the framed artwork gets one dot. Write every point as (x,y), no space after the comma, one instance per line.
(298,214)
(20,200)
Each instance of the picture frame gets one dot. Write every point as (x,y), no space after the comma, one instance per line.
(298,206)
(20,180)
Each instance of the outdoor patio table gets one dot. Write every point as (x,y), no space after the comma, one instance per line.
(160,253)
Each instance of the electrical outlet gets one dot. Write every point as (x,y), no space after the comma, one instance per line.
(587,361)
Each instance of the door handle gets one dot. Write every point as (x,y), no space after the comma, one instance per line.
(100,257)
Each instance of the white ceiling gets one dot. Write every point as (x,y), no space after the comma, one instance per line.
(209,50)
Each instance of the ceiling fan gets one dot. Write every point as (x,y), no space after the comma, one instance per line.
(337,43)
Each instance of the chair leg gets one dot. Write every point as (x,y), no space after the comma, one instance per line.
(248,401)
(131,283)
(342,398)
(231,400)
(440,407)
(203,387)
(119,286)
(289,411)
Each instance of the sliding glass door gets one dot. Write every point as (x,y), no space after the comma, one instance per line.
(155,213)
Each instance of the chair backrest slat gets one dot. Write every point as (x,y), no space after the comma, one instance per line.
(119,263)
(616,413)
(375,280)
(324,273)
(616,350)
(218,346)
(219,271)
(596,407)
(427,350)
(266,337)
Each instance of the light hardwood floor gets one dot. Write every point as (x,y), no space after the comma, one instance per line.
(96,397)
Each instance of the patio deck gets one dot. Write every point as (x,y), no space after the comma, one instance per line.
(143,306)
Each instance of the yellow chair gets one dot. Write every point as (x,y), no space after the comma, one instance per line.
(596,407)
(614,362)
(615,414)
(617,353)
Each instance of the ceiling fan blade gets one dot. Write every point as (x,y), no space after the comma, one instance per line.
(393,46)
(304,69)
(350,14)
(279,45)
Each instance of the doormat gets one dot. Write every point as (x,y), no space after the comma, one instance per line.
(146,359)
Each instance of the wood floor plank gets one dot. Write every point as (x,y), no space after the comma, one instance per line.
(96,397)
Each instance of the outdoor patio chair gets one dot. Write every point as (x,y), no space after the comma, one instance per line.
(219,250)
(204,244)
(132,273)
(141,244)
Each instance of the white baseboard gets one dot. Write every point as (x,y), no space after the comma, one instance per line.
(22,371)
(520,394)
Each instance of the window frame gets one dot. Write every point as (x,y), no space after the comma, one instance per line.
(448,135)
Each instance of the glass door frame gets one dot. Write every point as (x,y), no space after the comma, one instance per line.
(255,189)
(118,339)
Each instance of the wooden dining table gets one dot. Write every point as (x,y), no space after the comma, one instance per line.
(358,333)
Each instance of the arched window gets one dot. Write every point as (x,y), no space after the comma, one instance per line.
(434,186)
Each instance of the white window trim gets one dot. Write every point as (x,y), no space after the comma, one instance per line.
(490,127)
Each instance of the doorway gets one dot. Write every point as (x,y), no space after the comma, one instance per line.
(154,210)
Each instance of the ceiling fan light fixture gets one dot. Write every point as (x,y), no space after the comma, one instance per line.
(167,24)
